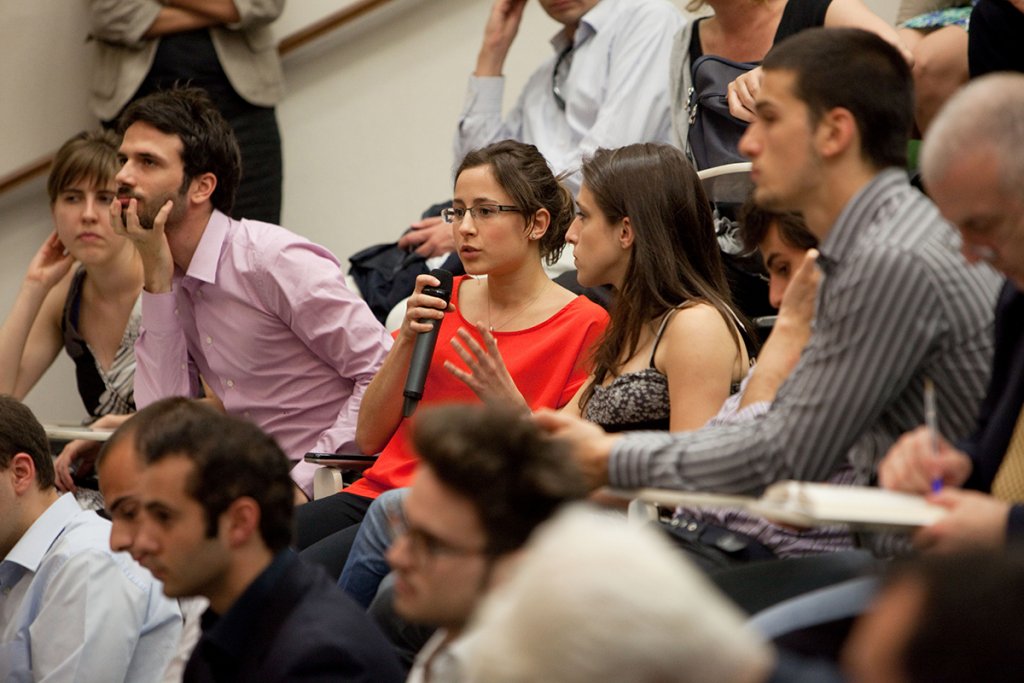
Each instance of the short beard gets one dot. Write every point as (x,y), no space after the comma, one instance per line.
(149,210)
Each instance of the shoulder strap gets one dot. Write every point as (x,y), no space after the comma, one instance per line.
(69,317)
(661,331)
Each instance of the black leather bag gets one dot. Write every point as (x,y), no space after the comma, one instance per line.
(714,132)
(385,274)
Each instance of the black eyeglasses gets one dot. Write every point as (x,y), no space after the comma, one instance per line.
(481,212)
(422,544)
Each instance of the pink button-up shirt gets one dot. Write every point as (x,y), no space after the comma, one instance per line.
(264,316)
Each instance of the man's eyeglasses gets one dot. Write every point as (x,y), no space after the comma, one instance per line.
(481,212)
(423,544)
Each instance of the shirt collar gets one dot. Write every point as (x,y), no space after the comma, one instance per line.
(443,659)
(33,545)
(857,215)
(599,16)
(230,632)
(203,265)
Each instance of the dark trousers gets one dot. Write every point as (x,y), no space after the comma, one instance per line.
(325,529)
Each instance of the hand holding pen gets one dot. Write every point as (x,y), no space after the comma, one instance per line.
(920,460)
(931,421)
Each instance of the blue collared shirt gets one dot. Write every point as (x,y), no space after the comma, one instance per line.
(73,610)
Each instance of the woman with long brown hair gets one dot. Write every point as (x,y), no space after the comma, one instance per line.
(675,348)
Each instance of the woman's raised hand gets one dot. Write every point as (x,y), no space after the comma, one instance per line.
(487,374)
(51,263)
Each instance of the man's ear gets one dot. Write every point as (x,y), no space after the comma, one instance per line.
(201,188)
(836,132)
(240,521)
(22,471)
(625,233)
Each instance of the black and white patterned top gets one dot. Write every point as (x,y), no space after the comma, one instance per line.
(104,392)
(636,400)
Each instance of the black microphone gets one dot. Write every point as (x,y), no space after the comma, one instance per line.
(425,342)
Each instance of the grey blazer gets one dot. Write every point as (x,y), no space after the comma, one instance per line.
(122,57)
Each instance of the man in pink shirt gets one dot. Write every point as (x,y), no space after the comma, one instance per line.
(261,314)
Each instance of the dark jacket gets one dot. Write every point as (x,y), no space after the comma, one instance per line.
(292,624)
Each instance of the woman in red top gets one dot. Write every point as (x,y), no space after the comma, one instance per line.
(509,212)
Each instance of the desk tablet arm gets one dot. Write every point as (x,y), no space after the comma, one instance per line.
(330,478)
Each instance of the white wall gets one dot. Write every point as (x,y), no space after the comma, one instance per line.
(367,124)
(369,117)
(43,76)
(884,8)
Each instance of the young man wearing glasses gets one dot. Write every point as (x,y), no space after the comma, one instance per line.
(604,86)
(474,502)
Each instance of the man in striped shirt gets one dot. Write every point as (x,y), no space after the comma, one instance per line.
(897,302)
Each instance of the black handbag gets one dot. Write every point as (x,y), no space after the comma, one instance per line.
(714,132)
(385,274)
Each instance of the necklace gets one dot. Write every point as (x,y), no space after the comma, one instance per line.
(515,315)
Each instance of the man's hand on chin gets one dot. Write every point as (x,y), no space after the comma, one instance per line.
(590,445)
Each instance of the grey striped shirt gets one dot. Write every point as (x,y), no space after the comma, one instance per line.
(897,303)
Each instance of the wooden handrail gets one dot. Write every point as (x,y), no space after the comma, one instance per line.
(288,44)
(330,23)
(26,173)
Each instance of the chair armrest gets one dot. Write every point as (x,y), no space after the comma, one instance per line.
(355,462)
(328,479)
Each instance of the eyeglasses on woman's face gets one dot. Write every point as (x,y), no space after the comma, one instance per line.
(480,212)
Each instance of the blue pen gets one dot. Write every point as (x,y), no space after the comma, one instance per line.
(931,420)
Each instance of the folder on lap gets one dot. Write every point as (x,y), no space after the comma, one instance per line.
(807,504)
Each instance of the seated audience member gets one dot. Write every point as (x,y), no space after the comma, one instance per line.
(994,41)
(935,31)
(709,109)
(119,470)
(603,87)
(972,166)
(91,310)
(674,349)
(945,619)
(215,505)
(487,479)
(592,598)
(510,213)
(897,302)
(719,538)
(261,314)
(70,608)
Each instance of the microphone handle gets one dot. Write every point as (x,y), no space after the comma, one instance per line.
(422,353)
